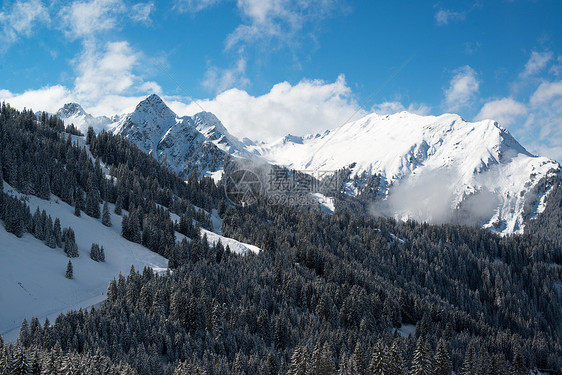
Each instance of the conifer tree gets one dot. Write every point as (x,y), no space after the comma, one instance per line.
(299,361)
(118,204)
(95,252)
(322,362)
(442,359)
(469,364)
(395,360)
(343,368)
(518,365)
(102,254)
(106,216)
(421,364)
(379,361)
(21,364)
(69,271)
(93,203)
(78,202)
(357,362)
(57,232)
(70,246)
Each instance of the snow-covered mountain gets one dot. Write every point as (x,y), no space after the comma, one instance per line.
(73,113)
(428,168)
(436,169)
(197,142)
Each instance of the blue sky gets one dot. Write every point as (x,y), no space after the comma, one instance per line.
(271,67)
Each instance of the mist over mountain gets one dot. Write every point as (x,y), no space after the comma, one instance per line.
(428,168)
(260,286)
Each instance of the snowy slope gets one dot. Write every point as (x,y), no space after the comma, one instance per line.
(420,167)
(73,113)
(32,281)
(197,142)
(428,165)
(216,235)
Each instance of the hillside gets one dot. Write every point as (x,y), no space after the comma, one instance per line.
(436,169)
(428,167)
(332,291)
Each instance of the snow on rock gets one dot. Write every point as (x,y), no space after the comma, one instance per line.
(428,166)
(234,245)
(73,113)
(197,142)
(327,204)
(32,275)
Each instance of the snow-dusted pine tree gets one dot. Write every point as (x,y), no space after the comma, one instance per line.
(106,216)
(69,271)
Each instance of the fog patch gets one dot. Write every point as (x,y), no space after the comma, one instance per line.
(477,208)
(428,197)
(431,198)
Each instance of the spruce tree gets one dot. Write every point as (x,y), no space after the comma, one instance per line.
(70,246)
(469,364)
(95,252)
(106,216)
(379,360)
(442,359)
(322,362)
(421,364)
(299,361)
(395,360)
(21,365)
(57,232)
(77,204)
(69,271)
(93,203)
(357,361)
(118,204)
(518,364)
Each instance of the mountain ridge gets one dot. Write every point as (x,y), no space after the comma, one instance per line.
(446,163)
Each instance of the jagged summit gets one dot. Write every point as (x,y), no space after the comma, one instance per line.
(73,113)
(413,166)
(71,109)
(427,166)
(198,142)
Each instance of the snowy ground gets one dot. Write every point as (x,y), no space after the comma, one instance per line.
(32,281)
(214,236)
(326,203)
(407,330)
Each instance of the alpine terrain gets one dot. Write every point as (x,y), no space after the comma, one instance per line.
(123,252)
(427,168)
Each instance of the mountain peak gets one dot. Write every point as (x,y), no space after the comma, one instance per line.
(153,110)
(71,109)
(153,101)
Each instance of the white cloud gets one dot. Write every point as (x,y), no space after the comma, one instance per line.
(536,63)
(505,111)
(218,80)
(106,83)
(141,12)
(276,19)
(543,128)
(307,107)
(49,98)
(445,16)
(20,20)
(83,19)
(462,89)
(546,92)
(105,71)
(556,69)
(194,6)
(395,107)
